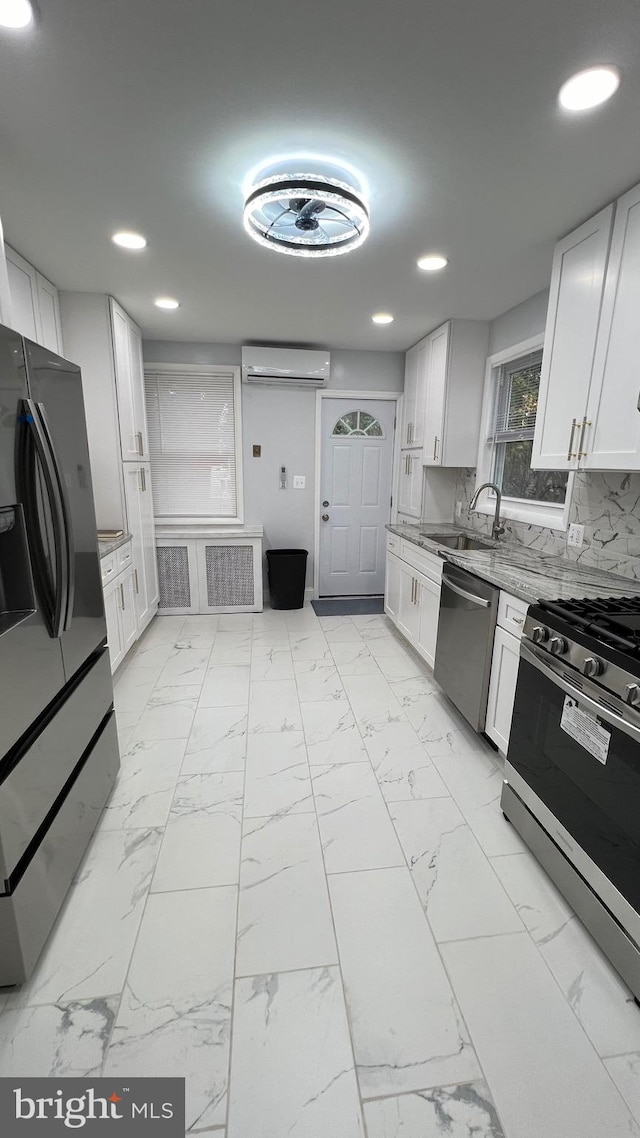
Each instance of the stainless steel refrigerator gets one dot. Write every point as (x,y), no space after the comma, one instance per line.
(58,742)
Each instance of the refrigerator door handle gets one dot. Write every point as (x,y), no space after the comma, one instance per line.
(33,449)
(69,576)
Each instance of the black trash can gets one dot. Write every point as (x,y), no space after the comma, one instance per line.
(287,570)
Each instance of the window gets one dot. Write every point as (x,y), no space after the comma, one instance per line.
(538,497)
(194,439)
(358,423)
(514,421)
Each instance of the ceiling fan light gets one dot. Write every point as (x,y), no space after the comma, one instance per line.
(306,215)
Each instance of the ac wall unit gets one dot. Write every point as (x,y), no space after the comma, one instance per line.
(285,367)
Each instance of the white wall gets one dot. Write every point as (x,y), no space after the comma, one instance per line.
(519,323)
(282,423)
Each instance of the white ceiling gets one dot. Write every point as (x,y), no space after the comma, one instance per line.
(147,114)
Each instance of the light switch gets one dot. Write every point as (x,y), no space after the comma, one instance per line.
(299,481)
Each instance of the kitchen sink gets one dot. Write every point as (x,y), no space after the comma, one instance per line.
(458,541)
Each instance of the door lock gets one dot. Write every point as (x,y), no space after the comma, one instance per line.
(325,504)
(325,517)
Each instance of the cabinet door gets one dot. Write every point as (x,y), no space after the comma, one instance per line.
(129,444)
(612,429)
(410,484)
(429,606)
(23,286)
(49,310)
(150,558)
(409,399)
(408,603)
(114,631)
(502,687)
(436,386)
(392,587)
(575,299)
(137,389)
(127,610)
(420,401)
(133,481)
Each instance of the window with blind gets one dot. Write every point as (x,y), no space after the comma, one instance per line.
(194,440)
(511,435)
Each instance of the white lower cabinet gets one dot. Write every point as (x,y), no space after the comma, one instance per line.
(392,587)
(121,617)
(219,573)
(408,620)
(504,669)
(412,595)
(139,503)
(429,605)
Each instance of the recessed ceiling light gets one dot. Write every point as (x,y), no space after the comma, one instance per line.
(432,262)
(589,88)
(166,302)
(128,240)
(15,13)
(382,318)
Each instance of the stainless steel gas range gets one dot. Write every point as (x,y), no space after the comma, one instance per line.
(572,776)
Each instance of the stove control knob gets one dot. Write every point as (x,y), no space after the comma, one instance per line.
(592,666)
(631,694)
(557,645)
(539,634)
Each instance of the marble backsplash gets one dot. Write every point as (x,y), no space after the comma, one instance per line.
(607,505)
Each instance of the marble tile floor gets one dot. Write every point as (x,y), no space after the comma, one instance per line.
(303,896)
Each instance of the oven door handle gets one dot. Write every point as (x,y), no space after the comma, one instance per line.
(480,601)
(550,671)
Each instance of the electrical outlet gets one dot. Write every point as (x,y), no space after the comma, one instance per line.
(575,536)
(299,481)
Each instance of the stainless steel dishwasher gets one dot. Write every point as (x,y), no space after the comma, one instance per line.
(468,610)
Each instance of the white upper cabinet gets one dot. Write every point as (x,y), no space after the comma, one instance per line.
(436,357)
(409,402)
(127,348)
(575,300)
(452,382)
(23,287)
(34,303)
(49,308)
(612,433)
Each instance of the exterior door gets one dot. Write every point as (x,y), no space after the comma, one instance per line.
(355,484)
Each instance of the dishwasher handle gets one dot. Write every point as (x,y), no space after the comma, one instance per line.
(479,601)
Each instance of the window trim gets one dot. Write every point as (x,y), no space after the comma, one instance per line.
(167,521)
(545,514)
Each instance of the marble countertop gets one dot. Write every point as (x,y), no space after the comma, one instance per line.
(107,545)
(524,572)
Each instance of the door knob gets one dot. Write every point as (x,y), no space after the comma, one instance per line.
(325,504)
(325,517)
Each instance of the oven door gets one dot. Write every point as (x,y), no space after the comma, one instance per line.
(576,765)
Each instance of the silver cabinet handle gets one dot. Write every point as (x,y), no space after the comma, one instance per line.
(135,577)
(122,597)
(585,423)
(518,619)
(480,601)
(570,454)
(139,438)
(435,448)
(417,591)
(143,481)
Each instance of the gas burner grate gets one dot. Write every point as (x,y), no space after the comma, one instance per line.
(613,620)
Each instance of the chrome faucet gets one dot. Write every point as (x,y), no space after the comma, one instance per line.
(497,529)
